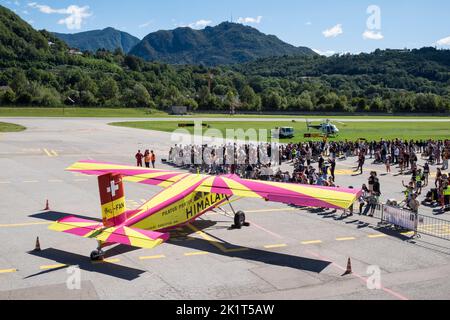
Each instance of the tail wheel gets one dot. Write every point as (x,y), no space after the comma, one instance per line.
(97,255)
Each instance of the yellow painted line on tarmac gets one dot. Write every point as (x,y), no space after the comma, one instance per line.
(312,242)
(53,266)
(106,261)
(346,239)
(198,253)
(409,233)
(161,256)
(375,236)
(48,153)
(8,271)
(24,224)
(54,153)
(275,246)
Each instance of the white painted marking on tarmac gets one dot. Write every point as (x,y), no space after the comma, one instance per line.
(363,279)
(31,181)
(276,235)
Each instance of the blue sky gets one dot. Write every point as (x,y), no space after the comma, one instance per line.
(324,25)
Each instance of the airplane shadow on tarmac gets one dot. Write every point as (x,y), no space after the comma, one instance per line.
(85,264)
(180,237)
(246,253)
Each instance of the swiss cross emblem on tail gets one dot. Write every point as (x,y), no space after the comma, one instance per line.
(112,199)
(113,188)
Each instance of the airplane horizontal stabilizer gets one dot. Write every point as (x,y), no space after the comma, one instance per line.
(120,234)
(133,237)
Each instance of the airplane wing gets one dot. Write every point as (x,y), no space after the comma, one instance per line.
(162,178)
(123,235)
(296,194)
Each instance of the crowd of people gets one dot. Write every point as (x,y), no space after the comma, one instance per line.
(314,163)
(148,157)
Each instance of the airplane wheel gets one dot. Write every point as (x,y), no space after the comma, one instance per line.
(239,220)
(96,255)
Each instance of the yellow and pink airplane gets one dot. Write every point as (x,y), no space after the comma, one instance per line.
(184,198)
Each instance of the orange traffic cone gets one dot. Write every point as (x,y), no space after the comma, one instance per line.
(47,206)
(349,267)
(38,245)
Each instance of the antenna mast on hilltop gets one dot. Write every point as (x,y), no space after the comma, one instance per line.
(231,17)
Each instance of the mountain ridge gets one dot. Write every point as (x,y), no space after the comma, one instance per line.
(107,38)
(225,44)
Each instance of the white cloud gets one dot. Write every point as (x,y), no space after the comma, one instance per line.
(309,23)
(146,24)
(334,31)
(256,20)
(327,53)
(372,35)
(200,24)
(75,14)
(444,42)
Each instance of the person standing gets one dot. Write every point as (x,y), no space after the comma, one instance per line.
(333,167)
(139,157)
(153,159)
(147,159)
(388,164)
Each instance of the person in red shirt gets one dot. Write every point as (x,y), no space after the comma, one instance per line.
(139,156)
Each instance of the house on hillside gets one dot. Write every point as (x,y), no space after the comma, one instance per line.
(75,52)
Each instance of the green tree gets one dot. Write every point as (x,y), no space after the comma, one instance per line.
(108,91)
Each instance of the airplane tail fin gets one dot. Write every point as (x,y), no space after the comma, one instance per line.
(112,199)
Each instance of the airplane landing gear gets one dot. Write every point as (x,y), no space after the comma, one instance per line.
(98,254)
(239,220)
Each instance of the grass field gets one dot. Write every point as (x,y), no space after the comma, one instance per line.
(350,131)
(80,112)
(10,127)
(144,113)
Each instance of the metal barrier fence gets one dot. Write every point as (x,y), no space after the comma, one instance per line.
(434,227)
(411,221)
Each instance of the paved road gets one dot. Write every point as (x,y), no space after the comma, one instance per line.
(287,253)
